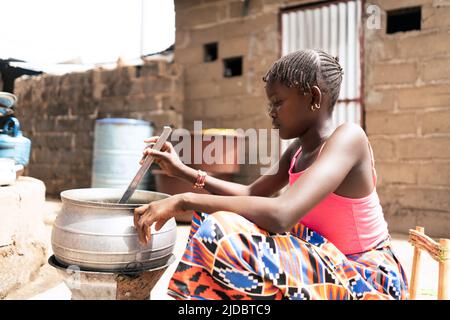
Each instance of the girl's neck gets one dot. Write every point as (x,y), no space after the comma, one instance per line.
(314,137)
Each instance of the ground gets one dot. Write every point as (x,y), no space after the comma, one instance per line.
(48,285)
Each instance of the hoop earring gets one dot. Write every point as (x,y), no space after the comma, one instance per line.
(315,107)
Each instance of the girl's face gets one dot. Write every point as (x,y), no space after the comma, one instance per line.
(289,109)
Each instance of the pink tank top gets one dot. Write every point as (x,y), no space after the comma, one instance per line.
(352,225)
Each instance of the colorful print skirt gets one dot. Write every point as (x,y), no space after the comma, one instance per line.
(229,257)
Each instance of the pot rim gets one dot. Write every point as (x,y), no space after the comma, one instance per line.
(68,197)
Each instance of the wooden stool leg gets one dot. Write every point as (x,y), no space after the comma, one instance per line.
(443,270)
(415,269)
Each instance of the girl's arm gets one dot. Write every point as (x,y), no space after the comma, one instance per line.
(275,179)
(344,150)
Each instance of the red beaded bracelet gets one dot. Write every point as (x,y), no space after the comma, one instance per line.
(200,182)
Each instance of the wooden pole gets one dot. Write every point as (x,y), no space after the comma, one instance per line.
(443,270)
(415,269)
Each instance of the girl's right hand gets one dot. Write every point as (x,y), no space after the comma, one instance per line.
(167,158)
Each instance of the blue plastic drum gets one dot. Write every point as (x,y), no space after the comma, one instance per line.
(118,146)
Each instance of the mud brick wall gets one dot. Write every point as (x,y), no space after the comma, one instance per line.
(408,117)
(58,114)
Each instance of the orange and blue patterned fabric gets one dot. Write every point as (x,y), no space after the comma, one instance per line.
(229,257)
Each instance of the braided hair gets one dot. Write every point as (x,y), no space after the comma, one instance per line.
(304,69)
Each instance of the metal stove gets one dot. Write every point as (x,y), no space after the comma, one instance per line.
(135,283)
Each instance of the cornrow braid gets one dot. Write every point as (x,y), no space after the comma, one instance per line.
(304,69)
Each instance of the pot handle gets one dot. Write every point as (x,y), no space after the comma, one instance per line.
(15,126)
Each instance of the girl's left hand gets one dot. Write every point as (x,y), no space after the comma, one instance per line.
(157,211)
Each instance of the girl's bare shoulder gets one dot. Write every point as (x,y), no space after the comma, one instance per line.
(349,132)
(349,136)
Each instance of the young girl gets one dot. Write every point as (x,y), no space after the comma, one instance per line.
(324,238)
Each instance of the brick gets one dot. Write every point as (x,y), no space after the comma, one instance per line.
(233,47)
(219,107)
(112,104)
(149,69)
(383,149)
(379,47)
(74,125)
(202,90)
(163,119)
(252,25)
(172,102)
(392,5)
(84,140)
(85,108)
(50,157)
(58,107)
(436,122)
(174,70)
(45,125)
(184,5)
(390,123)
(196,106)
(190,55)
(182,39)
(392,73)
(236,8)
(202,36)
(400,219)
(436,69)
(233,86)
(253,105)
(435,17)
(198,16)
(116,82)
(436,223)
(427,198)
(54,141)
(377,100)
(423,148)
(423,45)
(437,174)
(141,103)
(396,173)
(137,87)
(157,85)
(423,97)
(204,72)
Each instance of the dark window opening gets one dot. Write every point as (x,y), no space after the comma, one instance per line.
(232,67)
(402,20)
(210,52)
(138,71)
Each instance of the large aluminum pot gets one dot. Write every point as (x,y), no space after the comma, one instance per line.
(93,232)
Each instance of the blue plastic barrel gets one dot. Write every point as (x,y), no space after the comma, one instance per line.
(118,146)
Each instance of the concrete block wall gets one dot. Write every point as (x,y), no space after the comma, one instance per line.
(23,245)
(407,95)
(221,102)
(58,114)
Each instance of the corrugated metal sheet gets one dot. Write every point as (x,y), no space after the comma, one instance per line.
(334,28)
